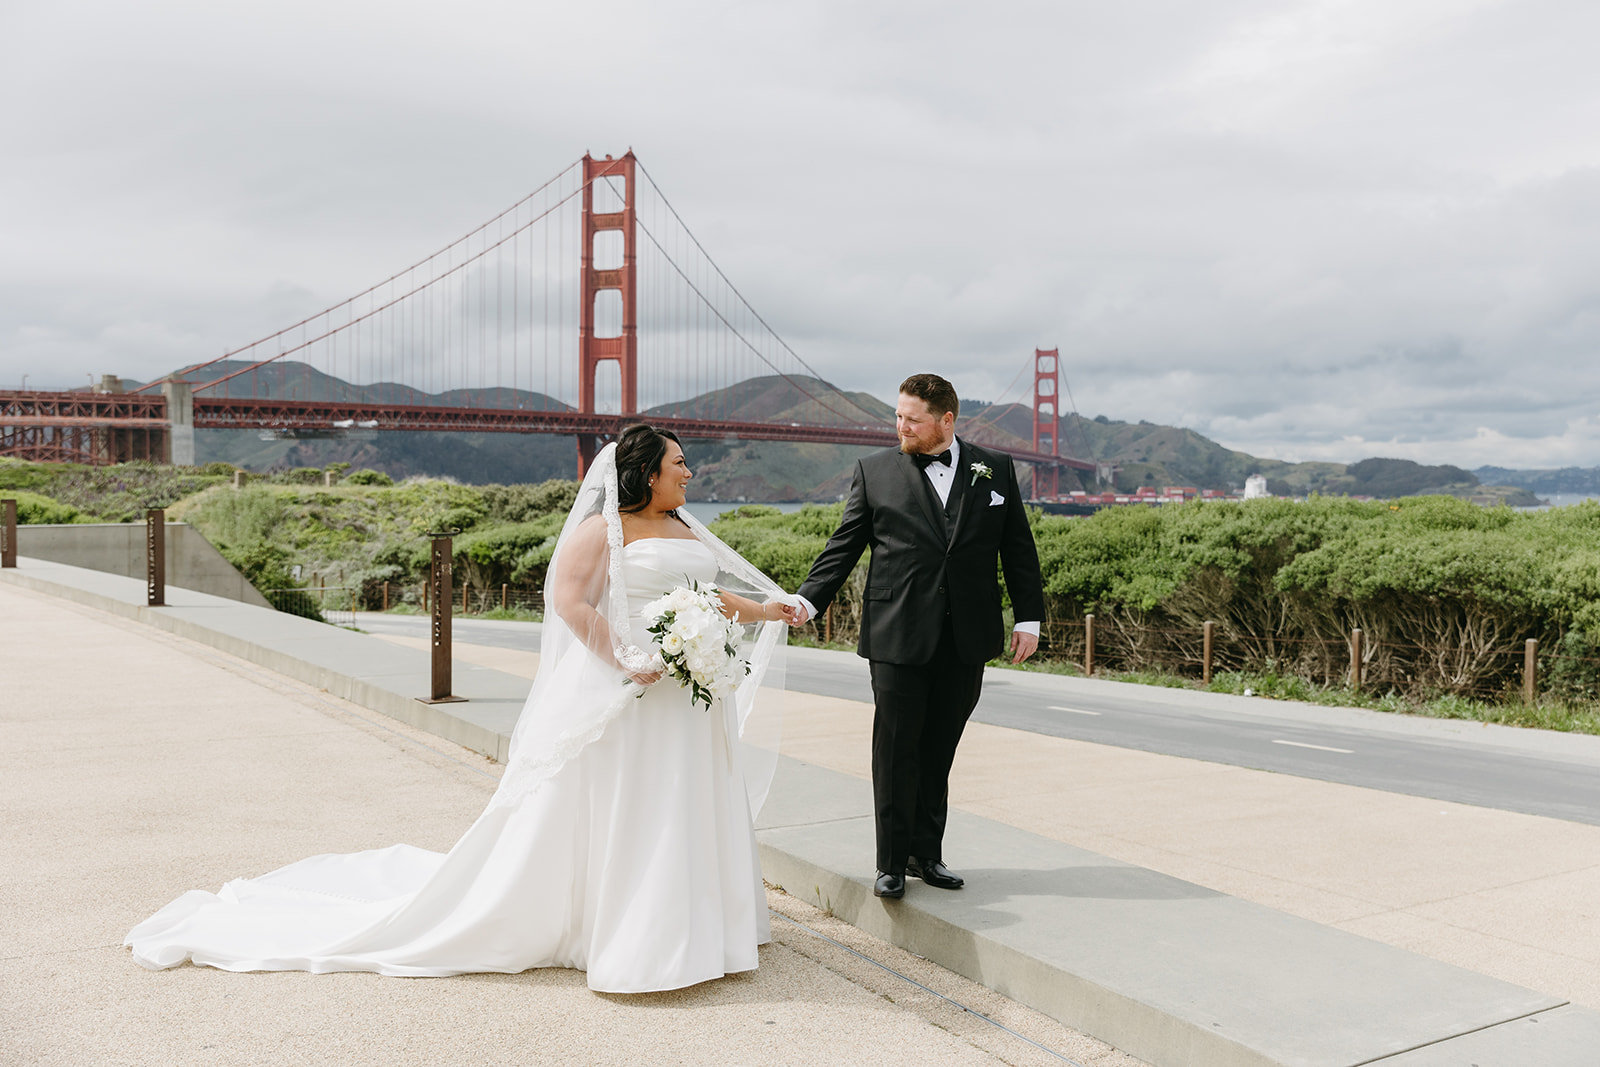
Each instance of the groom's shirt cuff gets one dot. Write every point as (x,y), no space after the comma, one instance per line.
(1026,628)
(811,610)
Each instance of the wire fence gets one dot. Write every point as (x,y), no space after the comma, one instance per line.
(1377,660)
(337,604)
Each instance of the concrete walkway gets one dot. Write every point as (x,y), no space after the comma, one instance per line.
(1214,921)
(135,764)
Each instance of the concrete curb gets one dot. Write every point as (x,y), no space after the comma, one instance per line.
(1169,971)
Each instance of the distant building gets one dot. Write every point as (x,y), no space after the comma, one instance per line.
(1255,486)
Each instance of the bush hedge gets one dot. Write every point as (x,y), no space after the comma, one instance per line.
(1445,592)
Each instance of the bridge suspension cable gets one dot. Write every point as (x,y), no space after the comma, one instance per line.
(549,317)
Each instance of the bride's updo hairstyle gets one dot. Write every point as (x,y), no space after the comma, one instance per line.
(640,450)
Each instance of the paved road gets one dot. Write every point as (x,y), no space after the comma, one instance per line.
(1531,771)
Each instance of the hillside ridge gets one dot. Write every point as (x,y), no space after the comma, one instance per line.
(1144,453)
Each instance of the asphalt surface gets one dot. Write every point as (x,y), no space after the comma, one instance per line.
(1534,772)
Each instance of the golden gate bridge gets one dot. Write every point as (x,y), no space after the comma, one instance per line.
(591,287)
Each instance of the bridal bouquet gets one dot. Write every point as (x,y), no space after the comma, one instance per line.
(699,644)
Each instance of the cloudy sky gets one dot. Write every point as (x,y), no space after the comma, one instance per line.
(1310,229)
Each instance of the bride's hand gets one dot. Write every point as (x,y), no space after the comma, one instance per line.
(646,678)
(778,611)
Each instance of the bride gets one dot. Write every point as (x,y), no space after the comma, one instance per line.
(620,839)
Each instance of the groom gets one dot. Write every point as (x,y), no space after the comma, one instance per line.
(936,513)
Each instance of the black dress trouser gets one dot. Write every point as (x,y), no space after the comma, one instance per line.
(920,713)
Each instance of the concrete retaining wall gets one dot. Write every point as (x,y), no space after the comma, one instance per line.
(118,548)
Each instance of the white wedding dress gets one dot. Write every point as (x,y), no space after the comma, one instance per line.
(634,861)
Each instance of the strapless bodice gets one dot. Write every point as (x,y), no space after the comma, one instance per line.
(654,566)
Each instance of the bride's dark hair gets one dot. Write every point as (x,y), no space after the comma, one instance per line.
(640,450)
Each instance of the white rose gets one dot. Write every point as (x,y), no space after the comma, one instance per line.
(671,643)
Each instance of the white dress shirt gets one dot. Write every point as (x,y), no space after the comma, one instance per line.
(943,478)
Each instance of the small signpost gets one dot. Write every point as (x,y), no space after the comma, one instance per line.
(155,557)
(438,592)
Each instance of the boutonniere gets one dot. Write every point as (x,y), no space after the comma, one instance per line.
(980,470)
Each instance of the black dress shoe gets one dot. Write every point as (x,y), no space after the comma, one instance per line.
(934,873)
(890,885)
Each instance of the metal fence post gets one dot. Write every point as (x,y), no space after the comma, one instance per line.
(155,557)
(1530,670)
(1088,645)
(1205,667)
(504,588)
(1355,660)
(827,625)
(439,588)
(8,534)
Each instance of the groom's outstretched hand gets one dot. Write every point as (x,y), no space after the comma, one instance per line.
(1022,645)
(793,614)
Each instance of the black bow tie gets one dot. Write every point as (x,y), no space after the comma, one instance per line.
(922,459)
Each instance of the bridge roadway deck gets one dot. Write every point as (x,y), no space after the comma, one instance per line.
(1169,969)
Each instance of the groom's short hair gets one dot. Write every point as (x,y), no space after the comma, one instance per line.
(938,394)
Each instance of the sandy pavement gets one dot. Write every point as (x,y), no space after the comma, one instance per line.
(135,765)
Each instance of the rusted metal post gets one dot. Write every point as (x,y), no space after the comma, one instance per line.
(1088,645)
(827,625)
(155,557)
(439,590)
(504,589)
(464,588)
(1355,660)
(385,594)
(1205,663)
(1530,670)
(8,534)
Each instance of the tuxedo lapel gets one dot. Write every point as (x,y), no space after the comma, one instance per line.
(920,488)
(964,481)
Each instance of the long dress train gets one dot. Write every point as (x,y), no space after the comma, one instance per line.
(635,862)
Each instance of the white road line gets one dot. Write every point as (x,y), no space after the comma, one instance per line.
(1075,711)
(1319,748)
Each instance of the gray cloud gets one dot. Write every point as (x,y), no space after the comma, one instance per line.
(1312,230)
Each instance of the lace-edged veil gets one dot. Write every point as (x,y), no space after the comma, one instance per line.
(589,647)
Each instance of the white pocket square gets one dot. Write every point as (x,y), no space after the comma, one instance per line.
(995,499)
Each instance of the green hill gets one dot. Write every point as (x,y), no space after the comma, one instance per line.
(1143,453)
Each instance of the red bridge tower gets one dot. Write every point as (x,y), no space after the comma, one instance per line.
(591,283)
(1046,420)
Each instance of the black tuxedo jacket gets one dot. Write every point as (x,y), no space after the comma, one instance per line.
(919,571)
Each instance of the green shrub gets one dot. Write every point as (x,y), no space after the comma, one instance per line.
(118,493)
(368,477)
(518,554)
(524,503)
(298,476)
(36,510)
